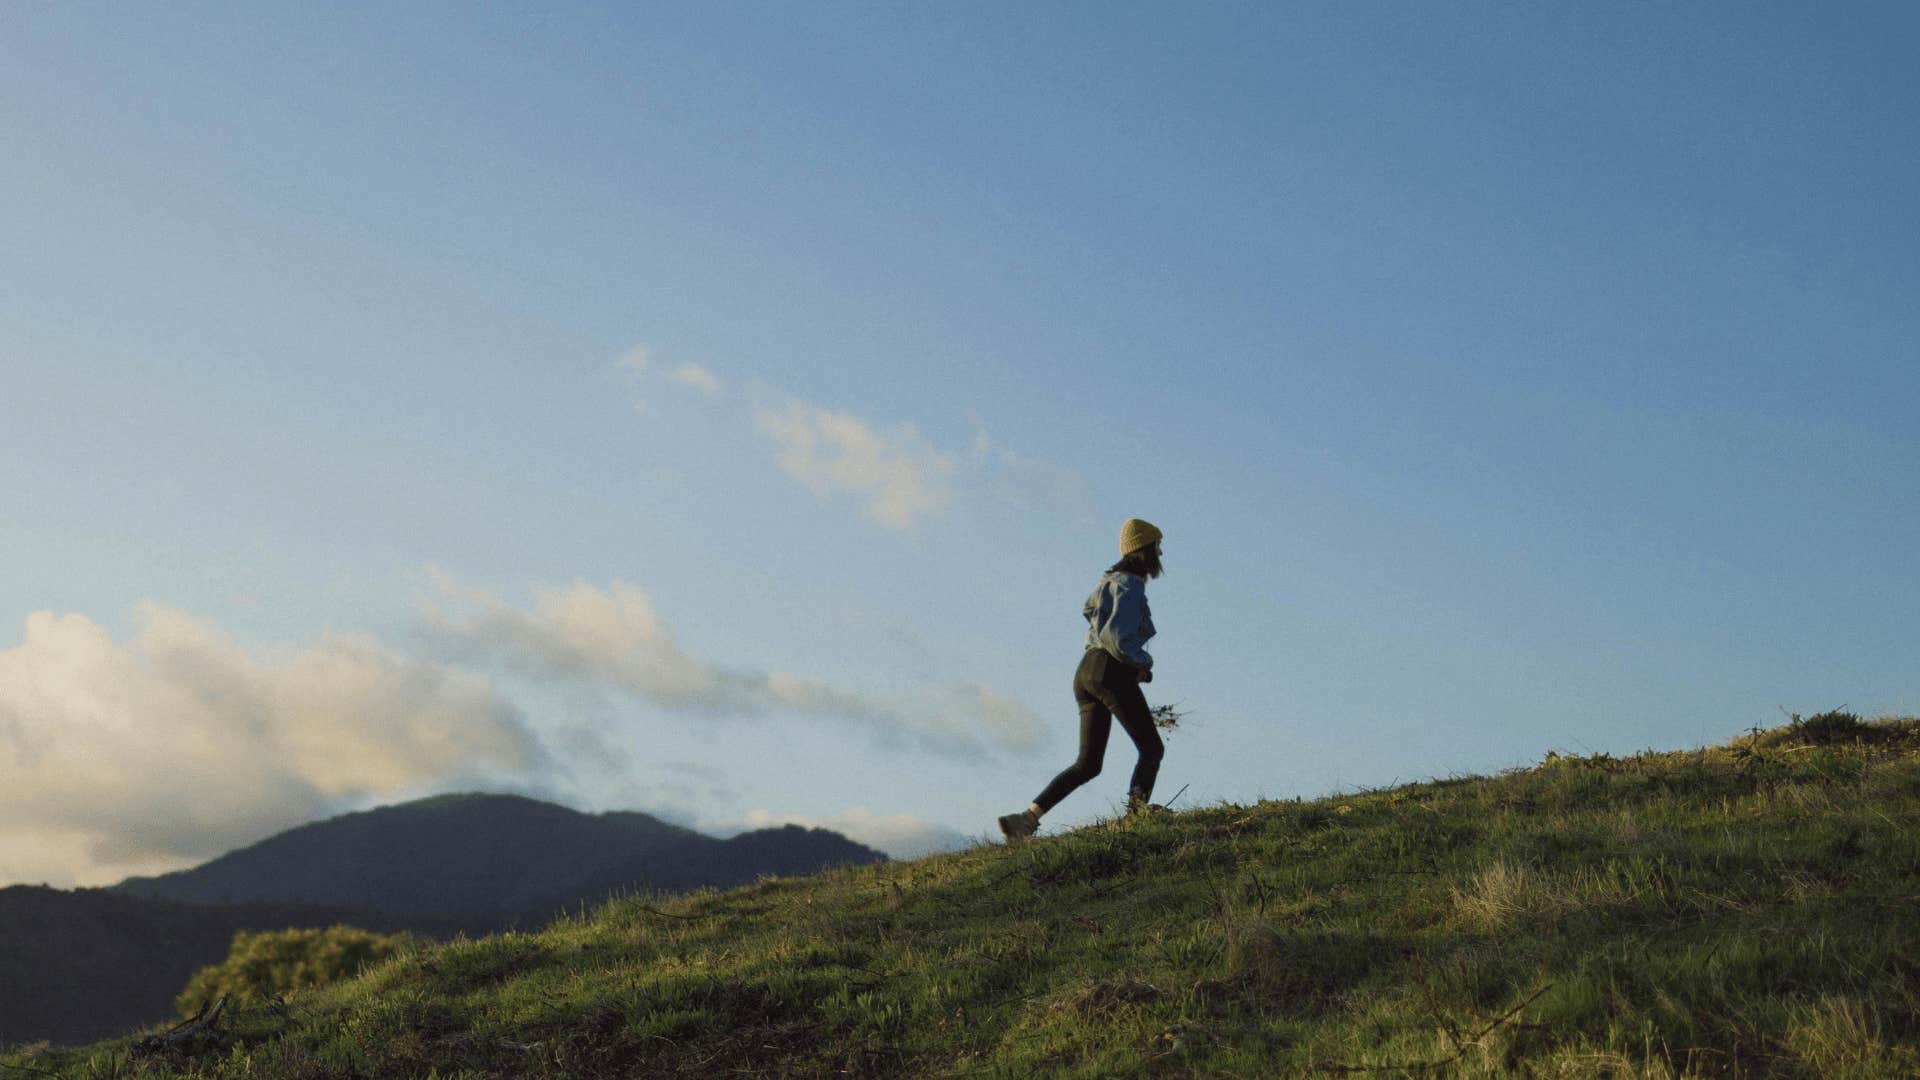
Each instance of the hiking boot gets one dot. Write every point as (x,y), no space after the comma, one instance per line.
(1137,804)
(1019,826)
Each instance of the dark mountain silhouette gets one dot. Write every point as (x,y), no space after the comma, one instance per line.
(91,963)
(512,856)
(88,964)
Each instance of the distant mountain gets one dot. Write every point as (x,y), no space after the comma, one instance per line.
(89,964)
(505,855)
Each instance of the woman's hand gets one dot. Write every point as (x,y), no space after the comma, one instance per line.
(1146,674)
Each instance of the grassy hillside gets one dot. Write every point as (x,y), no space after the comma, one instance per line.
(1744,910)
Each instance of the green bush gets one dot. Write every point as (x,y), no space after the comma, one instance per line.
(264,964)
(1837,727)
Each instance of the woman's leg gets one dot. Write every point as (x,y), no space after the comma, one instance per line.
(1095,724)
(1129,706)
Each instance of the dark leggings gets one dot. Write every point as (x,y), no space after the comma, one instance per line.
(1107,688)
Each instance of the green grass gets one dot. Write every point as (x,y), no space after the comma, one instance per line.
(1747,910)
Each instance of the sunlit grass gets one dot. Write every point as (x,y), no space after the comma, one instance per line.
(1744,910)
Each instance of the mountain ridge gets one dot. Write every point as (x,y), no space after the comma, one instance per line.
(489,852)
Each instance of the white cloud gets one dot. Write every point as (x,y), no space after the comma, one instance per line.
(633,362)
(697,377)
(901,836)
(180,745)
(614,639)
(637,367)
(578,633)
(898,474)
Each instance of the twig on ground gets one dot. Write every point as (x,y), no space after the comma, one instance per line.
(1176,795)
(187,1034)
(1460,1048)
(1006,875)
(671,915)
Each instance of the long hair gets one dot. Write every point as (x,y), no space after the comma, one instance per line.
(1143,561)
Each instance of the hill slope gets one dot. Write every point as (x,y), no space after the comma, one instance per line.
(490,853)
(1744,910)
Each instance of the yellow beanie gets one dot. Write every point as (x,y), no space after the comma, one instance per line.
(1136,534)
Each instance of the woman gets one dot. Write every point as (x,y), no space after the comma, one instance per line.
(1107,684)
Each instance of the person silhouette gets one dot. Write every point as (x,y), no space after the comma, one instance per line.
(1107,683)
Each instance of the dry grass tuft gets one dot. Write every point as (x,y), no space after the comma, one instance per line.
(1501,893)
(1840,1035)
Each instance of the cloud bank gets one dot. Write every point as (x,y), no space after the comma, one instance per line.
(178,745)
(613,639)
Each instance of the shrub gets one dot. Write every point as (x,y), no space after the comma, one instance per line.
(1836,728)
(264,964)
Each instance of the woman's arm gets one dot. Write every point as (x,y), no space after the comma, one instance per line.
(1130,626)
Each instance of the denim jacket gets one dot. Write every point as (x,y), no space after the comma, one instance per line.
(1118,619)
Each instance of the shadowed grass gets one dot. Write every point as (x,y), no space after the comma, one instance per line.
(1747,910)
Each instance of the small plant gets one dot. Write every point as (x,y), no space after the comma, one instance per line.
(1168,717)
(1603,761)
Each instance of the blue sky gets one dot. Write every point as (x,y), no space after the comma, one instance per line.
(724,411)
